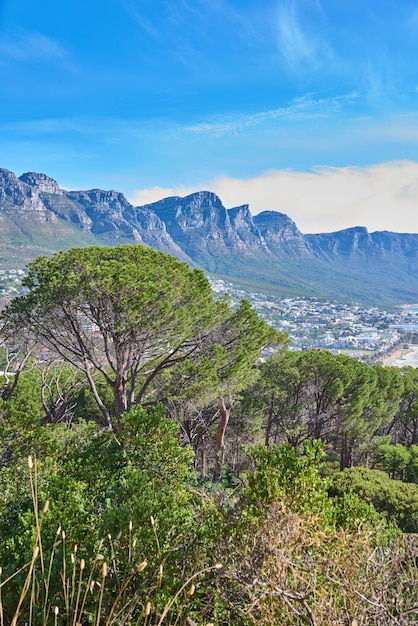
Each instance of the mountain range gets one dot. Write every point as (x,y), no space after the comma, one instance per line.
(265,251)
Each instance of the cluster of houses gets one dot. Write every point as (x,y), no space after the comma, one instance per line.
(311,323)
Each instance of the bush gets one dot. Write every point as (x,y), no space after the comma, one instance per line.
(101,489)
(396,499)
(292,555)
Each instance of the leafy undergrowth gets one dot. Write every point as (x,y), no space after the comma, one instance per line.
(274,550)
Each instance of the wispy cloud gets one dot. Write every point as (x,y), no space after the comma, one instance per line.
(137,15)
(294,44)
(306,106)
(34,46)
(299,47)
(380,197)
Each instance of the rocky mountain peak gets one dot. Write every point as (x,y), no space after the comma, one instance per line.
(273,220)
(7,177)
(281,234)
(240,215)
(243,224)
(20,199)
(41,182)
(192,211)
(38,217)
(348,242)
(107,199)
(203,199)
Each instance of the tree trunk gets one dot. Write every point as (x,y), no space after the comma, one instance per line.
(225,412)
(269,424)
(105,411)
(414,438)
(346,457)
(203,457)
(121,401)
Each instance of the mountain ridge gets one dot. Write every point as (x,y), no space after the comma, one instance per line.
(38,217)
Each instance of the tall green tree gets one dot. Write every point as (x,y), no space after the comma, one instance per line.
(204,389)
(299,394)
(120,314)
(404,426)
(127,315)
(369,402)
(278,397)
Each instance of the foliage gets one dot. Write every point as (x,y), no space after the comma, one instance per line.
(126,316)
(283,474)
(135,523)
(127,312)
(200,392)
(404,428)
(99,487)
(398,500)
(99,590)
(396,459)
(369,403)
(129,326)
(293,555)
(306,395)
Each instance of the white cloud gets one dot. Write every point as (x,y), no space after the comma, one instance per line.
(306,107)
(295,45)
(300,36)
(380,197)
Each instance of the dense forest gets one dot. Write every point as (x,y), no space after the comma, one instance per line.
(158,468)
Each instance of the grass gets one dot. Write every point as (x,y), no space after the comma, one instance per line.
(90,592)
(279,568)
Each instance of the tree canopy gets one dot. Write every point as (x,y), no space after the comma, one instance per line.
(125,315)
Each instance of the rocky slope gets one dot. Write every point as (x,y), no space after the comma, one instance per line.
(37,216)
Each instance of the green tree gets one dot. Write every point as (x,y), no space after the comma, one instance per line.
(210,382)
(125,316)
(368,404)
(126,496)
(277,398)
(404,426)
(411,474)
(393,459)
(398,461)
(299,395)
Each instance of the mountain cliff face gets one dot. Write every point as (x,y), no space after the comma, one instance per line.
(281,235)
(37,216)
(18,200)
(244,225)
(199,224)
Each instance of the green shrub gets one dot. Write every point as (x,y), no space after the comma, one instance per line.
(101,488)
(396,499)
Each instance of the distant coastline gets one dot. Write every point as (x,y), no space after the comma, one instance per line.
(402,357)
(409,308)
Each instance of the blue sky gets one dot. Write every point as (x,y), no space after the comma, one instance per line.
(309,107)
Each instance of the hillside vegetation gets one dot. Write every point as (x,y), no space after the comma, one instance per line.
(154,470)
